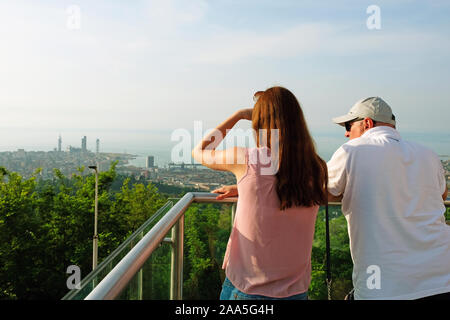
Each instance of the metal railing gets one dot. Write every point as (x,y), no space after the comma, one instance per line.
(117,279)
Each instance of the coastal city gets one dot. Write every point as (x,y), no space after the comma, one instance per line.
(74,160)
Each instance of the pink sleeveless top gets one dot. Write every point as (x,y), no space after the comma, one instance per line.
(269,250)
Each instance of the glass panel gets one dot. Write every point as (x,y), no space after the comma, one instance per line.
(152,281)
(93,278)
(206,233)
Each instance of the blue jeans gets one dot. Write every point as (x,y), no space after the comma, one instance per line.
(229,292)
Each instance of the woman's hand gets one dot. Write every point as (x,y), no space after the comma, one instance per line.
(245,114)
(257,95)
(226,192)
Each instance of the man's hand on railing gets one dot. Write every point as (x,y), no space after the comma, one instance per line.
(226,192)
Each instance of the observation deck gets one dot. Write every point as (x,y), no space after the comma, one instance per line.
(155,249)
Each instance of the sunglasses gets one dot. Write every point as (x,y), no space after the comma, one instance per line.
(348,125)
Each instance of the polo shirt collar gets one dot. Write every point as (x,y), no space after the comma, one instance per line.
(383,131)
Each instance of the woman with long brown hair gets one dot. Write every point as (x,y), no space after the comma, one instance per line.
(281,184)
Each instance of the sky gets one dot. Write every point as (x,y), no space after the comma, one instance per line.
(132,72)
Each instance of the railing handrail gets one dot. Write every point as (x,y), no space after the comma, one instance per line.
(116,280)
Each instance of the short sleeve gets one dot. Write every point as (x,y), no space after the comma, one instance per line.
(337,174)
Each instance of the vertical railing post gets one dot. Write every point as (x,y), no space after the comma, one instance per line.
(176,270)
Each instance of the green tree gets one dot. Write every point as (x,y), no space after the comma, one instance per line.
(45,226)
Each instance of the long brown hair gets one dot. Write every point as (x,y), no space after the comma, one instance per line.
(302,175)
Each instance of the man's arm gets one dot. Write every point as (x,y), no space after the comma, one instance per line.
(337,175)
(444,196)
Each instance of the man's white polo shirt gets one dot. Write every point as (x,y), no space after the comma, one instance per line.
(392,200)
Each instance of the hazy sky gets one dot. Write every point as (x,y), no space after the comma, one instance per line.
(130,72)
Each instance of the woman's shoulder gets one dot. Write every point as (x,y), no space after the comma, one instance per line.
(254,157)
(259,155)
(251,153)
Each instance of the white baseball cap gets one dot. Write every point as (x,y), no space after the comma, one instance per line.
(374,108)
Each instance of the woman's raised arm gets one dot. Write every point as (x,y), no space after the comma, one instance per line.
(225,160)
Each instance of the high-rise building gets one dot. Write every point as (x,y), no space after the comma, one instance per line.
(97,146)
(83,144)
(150,162)
(59,143)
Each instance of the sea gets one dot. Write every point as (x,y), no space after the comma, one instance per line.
(326,145)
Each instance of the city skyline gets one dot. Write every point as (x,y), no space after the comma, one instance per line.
(83,146)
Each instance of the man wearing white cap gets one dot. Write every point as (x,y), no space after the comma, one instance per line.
(392,195)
